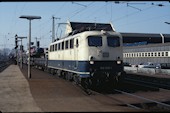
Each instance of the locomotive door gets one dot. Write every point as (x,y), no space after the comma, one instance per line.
(76,53)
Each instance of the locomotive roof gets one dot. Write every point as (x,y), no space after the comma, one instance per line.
(81,26)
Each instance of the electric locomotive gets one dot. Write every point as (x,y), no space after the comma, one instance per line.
(90,57)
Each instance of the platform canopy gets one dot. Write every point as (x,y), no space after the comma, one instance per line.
(145,37)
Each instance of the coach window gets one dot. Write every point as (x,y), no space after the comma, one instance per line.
(62,45)
(143,54)
(95,41)
(155,53)
(148,54)
(159,54)
(166,53)
(152,54)
(125,55)
(113,41)
(162,53)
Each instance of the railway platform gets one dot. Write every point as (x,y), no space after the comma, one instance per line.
(15,95)
(44,93)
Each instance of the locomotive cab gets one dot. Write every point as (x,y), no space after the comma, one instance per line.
(105,57)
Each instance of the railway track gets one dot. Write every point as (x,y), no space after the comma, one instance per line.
(148,84)
(151,81)
(4,65)
(137,101)
(151,85)
(159,105)
(125,95)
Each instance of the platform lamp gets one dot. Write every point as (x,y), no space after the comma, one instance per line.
(21,49)
(29,39)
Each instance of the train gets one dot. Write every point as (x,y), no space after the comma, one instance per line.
(89,58)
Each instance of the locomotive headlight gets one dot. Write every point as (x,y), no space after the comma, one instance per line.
(91,62)
(118,62)
(91,58)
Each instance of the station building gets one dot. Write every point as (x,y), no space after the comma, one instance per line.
(145,47)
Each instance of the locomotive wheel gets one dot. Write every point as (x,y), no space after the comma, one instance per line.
(85,83)
(68,76)
(63,74)
(114,82)
(76,79)
(42,69)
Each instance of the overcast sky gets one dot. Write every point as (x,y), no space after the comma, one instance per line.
(138,17)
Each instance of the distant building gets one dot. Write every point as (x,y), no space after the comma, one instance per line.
(145,47)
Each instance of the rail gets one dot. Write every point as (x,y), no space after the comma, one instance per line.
(4,64)
(167,106)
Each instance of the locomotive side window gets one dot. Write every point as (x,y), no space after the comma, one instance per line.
(71,43)
(62,45)
(55,47)
(113,41)
(66,45)
(77,43)
(59,46)
(95,41)
(50,48)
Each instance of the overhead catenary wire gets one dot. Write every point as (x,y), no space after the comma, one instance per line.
(15,21)
(81,10)
(136,12)
(145,20)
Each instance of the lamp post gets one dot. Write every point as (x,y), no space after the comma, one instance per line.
(21,48)
(29,39)
(16,46)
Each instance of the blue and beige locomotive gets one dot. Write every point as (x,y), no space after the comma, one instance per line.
(90,55)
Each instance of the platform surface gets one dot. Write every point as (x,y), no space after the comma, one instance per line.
(15,95)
